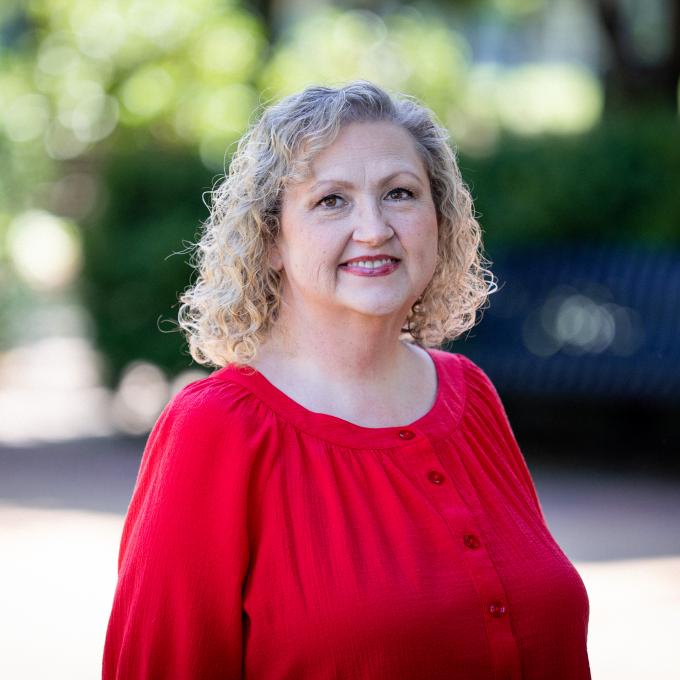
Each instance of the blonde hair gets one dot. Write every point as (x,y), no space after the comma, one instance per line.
(235,299)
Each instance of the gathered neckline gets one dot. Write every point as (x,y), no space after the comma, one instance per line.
(442,416)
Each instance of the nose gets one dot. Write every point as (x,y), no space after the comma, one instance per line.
(371,226)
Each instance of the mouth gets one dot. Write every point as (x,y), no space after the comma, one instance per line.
(380,266)
(370,264)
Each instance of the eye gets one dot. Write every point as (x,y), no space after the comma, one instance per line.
(331,201)
(400,194)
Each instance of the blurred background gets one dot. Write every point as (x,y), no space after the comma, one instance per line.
(116,116)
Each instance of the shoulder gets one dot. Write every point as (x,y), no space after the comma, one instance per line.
(475,377)
(207,411)
(472,375)
(222,396)
(459,368)
(469,380)
(197,457)
(484,411)
(208,431)
(206,398)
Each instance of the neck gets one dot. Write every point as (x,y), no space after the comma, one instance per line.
(346,349)
(352,366)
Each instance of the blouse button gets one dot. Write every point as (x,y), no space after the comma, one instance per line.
(435,477)
(406,434)
(497,609)
(471,541)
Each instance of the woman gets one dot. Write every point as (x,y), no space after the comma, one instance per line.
(340,499)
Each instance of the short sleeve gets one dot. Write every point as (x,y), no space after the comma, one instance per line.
(480,386)
(184,550)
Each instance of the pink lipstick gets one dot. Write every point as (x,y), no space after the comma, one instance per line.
(371,265)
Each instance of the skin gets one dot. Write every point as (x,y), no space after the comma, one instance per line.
(335,348)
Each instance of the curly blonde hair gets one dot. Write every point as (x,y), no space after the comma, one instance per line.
(235,299)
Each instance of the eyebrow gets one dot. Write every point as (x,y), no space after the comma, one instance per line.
(349,185)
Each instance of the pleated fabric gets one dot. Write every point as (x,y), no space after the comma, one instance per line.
(268,542)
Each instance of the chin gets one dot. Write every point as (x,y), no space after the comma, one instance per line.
(377,307)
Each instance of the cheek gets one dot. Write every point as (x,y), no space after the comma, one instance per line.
(434,250)
(317,273)
(312,261)
(427,240)
(311,249)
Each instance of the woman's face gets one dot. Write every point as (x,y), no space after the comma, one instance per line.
(367,200)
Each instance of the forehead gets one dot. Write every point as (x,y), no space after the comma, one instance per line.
(367,148)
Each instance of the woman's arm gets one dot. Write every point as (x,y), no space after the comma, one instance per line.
(184,551)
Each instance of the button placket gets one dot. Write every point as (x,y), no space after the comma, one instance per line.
(460,516)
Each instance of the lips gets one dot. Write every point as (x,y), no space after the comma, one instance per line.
(371,267)
(370,261)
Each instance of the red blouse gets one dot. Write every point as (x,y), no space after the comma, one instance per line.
(265,541)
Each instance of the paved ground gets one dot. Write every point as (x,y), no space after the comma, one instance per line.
(61,511)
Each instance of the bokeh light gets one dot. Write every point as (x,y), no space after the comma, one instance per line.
(549,98)
(141,395)
(44,249)
(582,322)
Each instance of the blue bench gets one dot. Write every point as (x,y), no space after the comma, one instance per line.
(576,320)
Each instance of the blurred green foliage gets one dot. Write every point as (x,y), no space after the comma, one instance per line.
(80,71)
(405,50)
(618,183)
(136,261)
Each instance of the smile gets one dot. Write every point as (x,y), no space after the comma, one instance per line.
(380,267)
